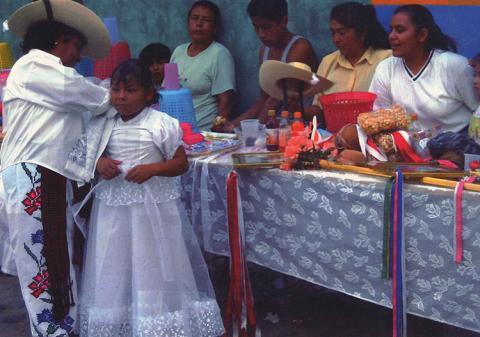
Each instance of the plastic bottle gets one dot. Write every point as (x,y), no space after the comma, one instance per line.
(284,130)
(297,126)
(271,128)
(414,124)
(420,136)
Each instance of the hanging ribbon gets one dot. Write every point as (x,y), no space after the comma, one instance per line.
(387,223)
(239,314)
(398,295)
(458,219)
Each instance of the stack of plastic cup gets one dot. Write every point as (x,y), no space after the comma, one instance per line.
(250,129)
(176,101)
(112,27)
(171,81)
(6,56)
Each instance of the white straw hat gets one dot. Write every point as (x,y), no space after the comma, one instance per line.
(272,74)
(70,13)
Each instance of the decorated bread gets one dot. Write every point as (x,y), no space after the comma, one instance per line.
(375,122)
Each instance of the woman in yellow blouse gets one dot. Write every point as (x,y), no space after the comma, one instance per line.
(361,44)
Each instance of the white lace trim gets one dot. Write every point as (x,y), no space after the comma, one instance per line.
(119,192)
(200,319)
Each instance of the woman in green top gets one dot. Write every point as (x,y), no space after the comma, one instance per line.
(205,66)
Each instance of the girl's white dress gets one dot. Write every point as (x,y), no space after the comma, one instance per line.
(144,274)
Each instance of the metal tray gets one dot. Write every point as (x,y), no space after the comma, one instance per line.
(257,159)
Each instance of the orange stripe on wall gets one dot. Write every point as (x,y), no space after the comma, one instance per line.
(427,2)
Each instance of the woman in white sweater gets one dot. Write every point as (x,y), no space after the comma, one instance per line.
(425,75)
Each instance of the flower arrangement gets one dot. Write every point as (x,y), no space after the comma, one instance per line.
(305,150)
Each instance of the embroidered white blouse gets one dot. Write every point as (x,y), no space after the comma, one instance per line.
(440,94)
(43,106)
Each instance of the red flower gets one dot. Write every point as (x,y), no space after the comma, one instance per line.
(39,284)
(33,201)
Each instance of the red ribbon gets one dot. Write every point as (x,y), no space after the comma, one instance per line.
(459,219)
(405,150)
(240,297)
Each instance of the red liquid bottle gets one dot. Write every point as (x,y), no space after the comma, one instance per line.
(297,126)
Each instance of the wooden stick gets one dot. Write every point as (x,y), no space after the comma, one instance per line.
(351,168)
(449,183)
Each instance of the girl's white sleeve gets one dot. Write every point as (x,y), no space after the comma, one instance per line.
(381,85)
(63,89)
(167,134)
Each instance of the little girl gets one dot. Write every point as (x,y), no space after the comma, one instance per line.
(144,273)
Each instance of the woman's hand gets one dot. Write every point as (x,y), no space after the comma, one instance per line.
(108,167)
(140,173)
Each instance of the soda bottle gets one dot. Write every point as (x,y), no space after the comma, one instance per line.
(271,128)
(297,126)
(284,130)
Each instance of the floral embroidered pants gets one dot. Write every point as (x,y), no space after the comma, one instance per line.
(23,207)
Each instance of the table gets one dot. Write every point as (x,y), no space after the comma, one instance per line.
(326,227)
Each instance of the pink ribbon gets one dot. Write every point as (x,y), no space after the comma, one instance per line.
(459,218)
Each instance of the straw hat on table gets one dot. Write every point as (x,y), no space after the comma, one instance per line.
(70,13)
(276,76)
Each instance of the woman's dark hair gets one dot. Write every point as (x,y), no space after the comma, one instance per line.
(362,18)
(274,10)
(422,18)
(475,60)
(133,69)
(217,17)
(43,35)
(154,52)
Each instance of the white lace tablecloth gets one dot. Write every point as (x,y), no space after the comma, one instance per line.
(326,227)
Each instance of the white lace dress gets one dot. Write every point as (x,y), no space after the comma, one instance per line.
(144,274)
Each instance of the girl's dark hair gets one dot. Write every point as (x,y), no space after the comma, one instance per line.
(422,18)
(217,17)
(274,10)
(133,69)
(362,18)
(154,52)
(43,35)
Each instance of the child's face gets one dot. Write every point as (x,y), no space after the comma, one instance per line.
(156,68)
(129,98)
(476,80)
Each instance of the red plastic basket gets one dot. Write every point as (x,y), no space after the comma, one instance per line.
(119,52)
(342,108)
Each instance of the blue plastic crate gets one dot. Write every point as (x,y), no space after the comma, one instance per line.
(179,104)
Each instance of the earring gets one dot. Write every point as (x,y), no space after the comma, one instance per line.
(55,43)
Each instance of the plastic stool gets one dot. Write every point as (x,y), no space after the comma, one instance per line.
(179,104)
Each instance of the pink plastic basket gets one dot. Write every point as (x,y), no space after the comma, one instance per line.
(342,108)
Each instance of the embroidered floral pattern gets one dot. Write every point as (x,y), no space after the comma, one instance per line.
(33,201)
(37,237)
(45,326)
(40,283)
(46,316)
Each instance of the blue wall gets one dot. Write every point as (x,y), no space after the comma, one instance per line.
(460,22)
